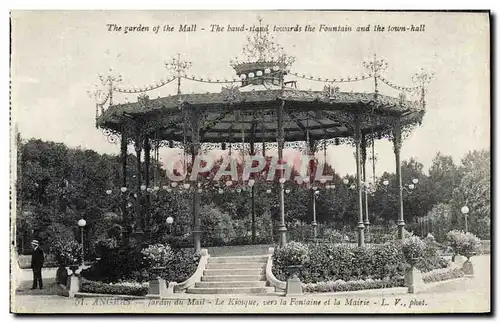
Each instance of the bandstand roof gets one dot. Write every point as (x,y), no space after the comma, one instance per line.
(227,118)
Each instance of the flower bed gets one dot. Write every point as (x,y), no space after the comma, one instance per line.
(442,274)
(353,285)
(95,287)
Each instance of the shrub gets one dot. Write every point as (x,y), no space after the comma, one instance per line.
(123,263)
(157,255)
(293,253)
(333,236)
(120,289)
(344,286)
(218,229)
(463,243)
(442,274)
(183,264)
(66,252)
(413,247)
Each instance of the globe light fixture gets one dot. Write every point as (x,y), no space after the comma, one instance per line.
(386,182)
(123,189)
(251,75)
(238,190)
(287,191)
(259,73)
(243,76)
(411,186)
(415,181)
(169,221)
(465,209)
(143,187)
(316,193)
(267,71)
(268,191)
(109,192)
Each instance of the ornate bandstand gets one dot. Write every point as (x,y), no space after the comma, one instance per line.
(261,108)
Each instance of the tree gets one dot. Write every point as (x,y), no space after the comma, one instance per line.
(444,177)
(474,191)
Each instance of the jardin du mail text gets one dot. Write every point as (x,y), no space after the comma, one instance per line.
(387,303)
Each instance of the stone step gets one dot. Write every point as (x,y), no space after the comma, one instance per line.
(235,265)
(238,259)
(228,278)
(222,272)
(234,290)
(231,284)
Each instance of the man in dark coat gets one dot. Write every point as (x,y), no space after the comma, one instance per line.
(37,259)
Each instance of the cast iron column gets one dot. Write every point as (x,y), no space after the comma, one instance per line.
(397,151)
(147,162)
(357,139)
(312,193)
(281,142)
(195,142)
(252,153)
(138,216)
(363,161)
(123,155)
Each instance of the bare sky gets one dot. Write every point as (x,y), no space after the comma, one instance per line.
(56,57)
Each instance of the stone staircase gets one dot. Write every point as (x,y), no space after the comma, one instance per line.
(233,275)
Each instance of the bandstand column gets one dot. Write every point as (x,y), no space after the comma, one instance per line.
(138,216)
(123,156)
(252,191)
(397,152)
(147,162)
(363,161)
(195,148)
(361,226)
(312,196)
(281,141)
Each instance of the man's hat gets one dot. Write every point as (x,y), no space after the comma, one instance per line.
(35,242)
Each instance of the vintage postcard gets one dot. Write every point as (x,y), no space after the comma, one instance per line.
(250,162)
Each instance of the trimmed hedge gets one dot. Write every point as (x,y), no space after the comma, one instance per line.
(103,288)
(353,285)
(331,262)
(442,275)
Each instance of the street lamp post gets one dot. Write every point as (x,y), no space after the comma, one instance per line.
(81,224)
(169,221)
(465,210)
